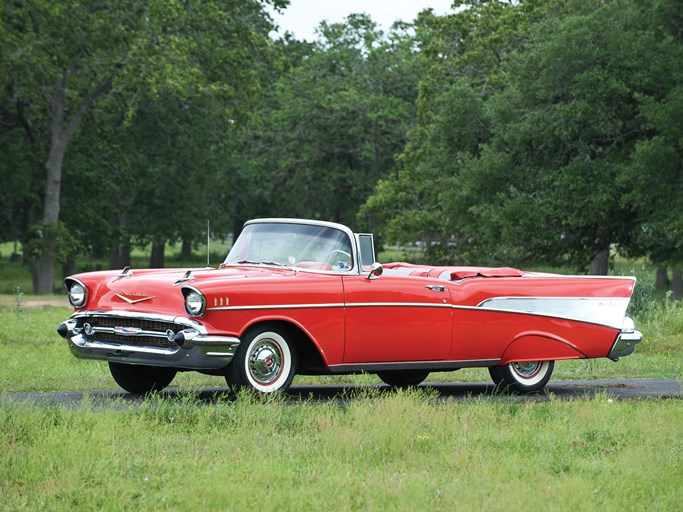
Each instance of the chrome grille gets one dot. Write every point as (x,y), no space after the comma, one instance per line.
(129,330)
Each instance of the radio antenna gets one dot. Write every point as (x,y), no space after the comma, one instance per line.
(208,242)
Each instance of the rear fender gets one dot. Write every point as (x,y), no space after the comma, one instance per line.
(539,347)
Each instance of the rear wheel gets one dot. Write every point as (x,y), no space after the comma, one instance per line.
(522,377)
(403,378)
(137,378)
(265,361)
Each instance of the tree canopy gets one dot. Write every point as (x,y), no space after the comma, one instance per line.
(536,131)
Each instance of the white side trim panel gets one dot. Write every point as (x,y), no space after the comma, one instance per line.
(608,311)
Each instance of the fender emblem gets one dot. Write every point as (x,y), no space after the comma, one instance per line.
(134,298)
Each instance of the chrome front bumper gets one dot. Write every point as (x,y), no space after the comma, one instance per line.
(108,336)
(626,342)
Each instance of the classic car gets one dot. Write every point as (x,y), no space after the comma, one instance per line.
(307,297)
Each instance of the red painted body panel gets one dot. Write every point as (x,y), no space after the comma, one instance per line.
(493,335)
(396,319)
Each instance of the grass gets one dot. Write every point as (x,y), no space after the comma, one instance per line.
(403,451)
(34,358)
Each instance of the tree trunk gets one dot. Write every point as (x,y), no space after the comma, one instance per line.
(120,254)
(662,279)
(61,132)
(600,263)
(120,250)
(69,266)
(186,250)
(44,268)
(157,258)
(677,284)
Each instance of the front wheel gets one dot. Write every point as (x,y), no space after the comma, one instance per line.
(403,378)
(264,361)
(522,377)
(137,378)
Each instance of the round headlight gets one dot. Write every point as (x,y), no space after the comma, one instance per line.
(195,303)
(77,295)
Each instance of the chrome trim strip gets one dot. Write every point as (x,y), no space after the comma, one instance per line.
(278,306)
(80,341)
(399,305)
(335,305)
(141,332)
(413,365)
(153,317)
(533,275)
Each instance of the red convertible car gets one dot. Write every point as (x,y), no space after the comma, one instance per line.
(307,297)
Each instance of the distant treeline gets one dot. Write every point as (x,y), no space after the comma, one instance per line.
(537,131)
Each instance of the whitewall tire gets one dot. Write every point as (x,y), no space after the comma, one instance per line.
(523,377)
(265,361)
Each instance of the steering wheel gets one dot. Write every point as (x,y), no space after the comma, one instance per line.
(332,253)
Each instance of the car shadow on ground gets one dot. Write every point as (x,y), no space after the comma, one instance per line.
(343,394)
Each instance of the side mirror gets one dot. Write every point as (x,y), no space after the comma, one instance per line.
(376,270)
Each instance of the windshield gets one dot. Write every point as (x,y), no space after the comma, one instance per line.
(292,245)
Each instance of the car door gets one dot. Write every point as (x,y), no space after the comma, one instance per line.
(396,319)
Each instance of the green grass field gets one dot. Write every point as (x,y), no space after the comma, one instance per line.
(400,451)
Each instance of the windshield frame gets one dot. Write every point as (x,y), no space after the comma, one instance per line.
(350,236)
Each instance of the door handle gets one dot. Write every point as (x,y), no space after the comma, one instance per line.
(436,287)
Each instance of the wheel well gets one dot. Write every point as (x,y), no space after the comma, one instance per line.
(310,361)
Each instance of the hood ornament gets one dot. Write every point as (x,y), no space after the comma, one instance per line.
(187,277)
(126,272)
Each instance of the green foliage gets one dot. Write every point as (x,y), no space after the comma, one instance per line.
(126,68)
(516,133)
(545,152)
(333,122)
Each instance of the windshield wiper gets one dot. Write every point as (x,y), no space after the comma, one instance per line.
(248,262)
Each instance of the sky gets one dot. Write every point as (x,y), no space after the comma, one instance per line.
(303,16)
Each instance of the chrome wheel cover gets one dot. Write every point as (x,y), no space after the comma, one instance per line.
(526,369)
(265,361)
(529,373)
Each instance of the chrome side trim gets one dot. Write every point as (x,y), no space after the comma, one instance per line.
(533,275)
(413,365)
(277,306)
(335,305)
(399,305)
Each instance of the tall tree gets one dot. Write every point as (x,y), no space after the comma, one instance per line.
(467,54)
(59,58)
(334,121)
(524,160)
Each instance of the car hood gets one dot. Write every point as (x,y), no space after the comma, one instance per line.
(160,290)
